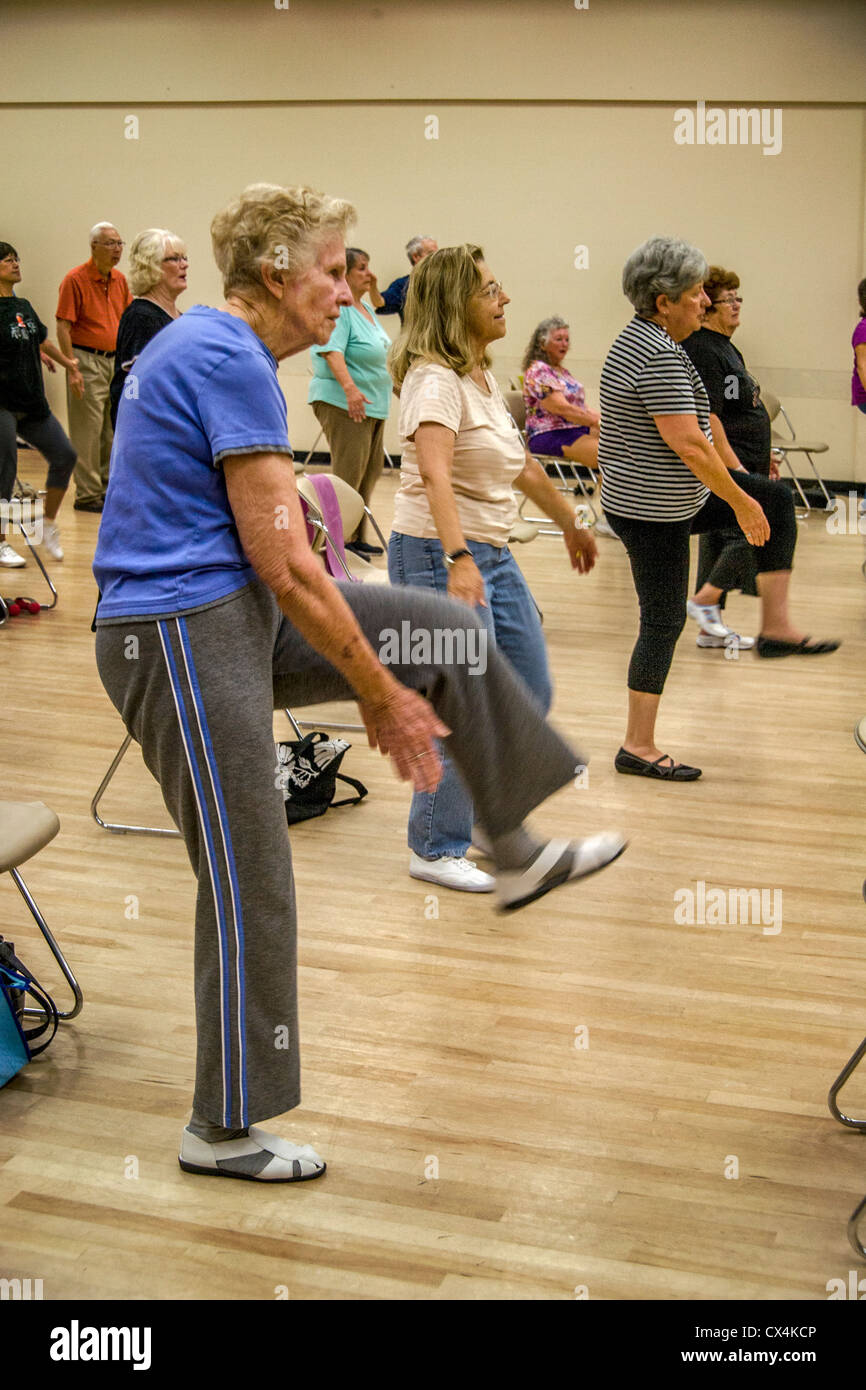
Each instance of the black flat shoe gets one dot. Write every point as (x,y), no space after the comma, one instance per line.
(768,646)
(362,548)
(640,767)
(87,506)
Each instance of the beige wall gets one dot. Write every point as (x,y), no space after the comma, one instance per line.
(594,164)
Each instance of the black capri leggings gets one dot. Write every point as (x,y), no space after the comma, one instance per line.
(658,552)
(45,435)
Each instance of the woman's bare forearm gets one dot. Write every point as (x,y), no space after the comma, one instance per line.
(267,511)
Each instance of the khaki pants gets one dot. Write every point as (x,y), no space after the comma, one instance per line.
(90,426)
(357,450)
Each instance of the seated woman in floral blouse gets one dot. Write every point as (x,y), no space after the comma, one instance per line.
(557,420)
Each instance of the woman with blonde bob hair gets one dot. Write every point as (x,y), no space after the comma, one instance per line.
(203,560)
(157,277)
(462,458)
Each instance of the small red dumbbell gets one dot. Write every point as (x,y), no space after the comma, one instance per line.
(28,605)
(13,608)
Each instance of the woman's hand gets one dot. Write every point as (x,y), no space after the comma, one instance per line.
(581,546)
(47,362)
(356,402)
(403,726)
(752,521)
(465,582)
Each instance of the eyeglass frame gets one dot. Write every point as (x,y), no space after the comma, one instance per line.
(491,291)
(738,299)
(174,260)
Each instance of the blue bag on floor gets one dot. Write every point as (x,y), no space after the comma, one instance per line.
(14,1052)
(18,1040)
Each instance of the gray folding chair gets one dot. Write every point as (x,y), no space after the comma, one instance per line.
(793,445)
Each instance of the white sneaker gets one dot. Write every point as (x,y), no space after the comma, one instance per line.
(51,540)
(9,558)
(745,644)
(451,872)
(709,615)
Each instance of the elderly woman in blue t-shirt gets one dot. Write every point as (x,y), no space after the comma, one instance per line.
(351,392)
(214,611)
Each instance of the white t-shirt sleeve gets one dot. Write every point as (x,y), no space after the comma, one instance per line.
(430,395)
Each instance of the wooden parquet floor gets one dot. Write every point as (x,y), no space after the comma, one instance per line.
(590,1095)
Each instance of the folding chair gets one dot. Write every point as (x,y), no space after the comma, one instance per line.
(796,446)
(26,827)
(516,407)
(845,1074)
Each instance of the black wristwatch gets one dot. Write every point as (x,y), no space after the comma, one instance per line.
(455,555)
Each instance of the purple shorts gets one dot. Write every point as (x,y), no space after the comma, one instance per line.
(554,441)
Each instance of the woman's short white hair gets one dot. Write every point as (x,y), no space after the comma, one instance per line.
(146,255)
(662,265)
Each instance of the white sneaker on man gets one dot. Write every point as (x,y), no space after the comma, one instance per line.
(9,558)
(51,540)
(452,872)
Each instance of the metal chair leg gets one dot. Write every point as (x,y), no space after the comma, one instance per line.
(313,450)
(853,1236)
(848,1069)
(45,575)
(55,951)
(828,499)
(796,482)
(118,828)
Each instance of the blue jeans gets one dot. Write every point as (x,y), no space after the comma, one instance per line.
(440,822)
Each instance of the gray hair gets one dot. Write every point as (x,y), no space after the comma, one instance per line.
(146,255)
(662,265)
(101,227)
(537,350)
(353,255)
(414,246)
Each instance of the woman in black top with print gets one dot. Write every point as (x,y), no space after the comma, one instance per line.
(157,277)
(24,410)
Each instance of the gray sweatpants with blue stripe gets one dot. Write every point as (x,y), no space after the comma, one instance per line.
(198,693)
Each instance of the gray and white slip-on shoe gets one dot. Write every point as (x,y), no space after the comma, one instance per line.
(558,862)
(260,1157)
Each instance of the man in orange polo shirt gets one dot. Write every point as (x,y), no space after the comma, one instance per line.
(92,298)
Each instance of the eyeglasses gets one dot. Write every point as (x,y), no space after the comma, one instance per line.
(112,245)
(492,291)
(175,260)
(735,299)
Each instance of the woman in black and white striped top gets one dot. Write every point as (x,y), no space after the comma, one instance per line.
(663,480)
